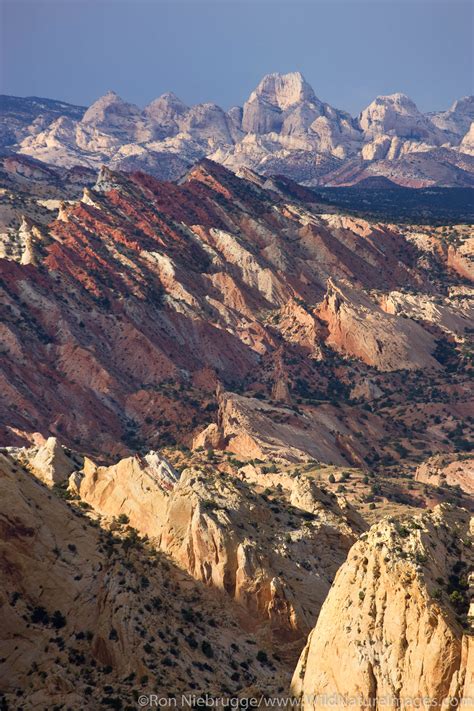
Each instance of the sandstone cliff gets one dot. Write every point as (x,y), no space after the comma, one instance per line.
(274,557)
(93,617)
(358,327)
(137,487)
(394,624)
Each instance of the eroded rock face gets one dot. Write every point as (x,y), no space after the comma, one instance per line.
(224,534)
(467,143)
(250,427)
(450,470)
(299,325)
(276,558)
(264,110)
(358,327)
(48,461)
(112,113)
(22,246)
(136,487)
(452,315)
(456,119)
(390,626)
(397,115)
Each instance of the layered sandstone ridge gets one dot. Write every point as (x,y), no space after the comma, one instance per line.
(392,625)
(136,487)
(276,557)
(144,295)
(221,531)
(250,427)
(359,327)
(452,314)
(448,470)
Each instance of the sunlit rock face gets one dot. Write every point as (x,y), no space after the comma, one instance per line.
(388,629)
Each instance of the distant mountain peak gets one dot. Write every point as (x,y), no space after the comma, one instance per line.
(169,98)
(166,107)
(275,94)
(108,107)
(398,115)
(458,118)
(398,100)
(284,90)
(397,97)
(110,97)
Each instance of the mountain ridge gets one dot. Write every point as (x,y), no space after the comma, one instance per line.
(283,128)
(211,281)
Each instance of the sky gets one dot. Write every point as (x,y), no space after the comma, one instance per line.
(350,51)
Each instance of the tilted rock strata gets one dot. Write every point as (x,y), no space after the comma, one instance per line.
(249,427)
(277,558)
(223,533)
(453,315)
(449,470)
(144,289)
(358,327)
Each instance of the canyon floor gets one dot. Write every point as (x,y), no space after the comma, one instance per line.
(236,437)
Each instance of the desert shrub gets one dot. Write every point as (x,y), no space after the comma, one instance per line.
(206,649)
(39,616)
(58,620)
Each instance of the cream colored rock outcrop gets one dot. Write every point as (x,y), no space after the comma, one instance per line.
(388,629)
(48,461)
(137,487)
(451,470)
(277,560)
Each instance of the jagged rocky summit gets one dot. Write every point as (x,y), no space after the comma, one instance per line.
(283,128)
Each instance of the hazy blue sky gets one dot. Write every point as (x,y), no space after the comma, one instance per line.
(349,50)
